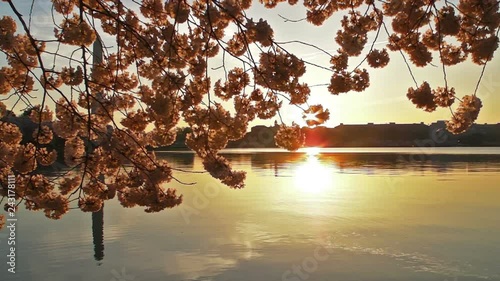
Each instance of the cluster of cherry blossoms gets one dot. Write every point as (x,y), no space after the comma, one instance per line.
(106,114)
(290,137)
(465,114)
(2,221)
(421,30)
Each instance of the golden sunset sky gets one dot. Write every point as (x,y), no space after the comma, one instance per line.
(384,101)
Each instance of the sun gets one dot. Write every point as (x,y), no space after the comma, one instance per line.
(312,176)
(312,151)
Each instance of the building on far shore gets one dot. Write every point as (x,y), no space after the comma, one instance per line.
(343,135)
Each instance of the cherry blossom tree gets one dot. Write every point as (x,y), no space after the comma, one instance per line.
(111,112)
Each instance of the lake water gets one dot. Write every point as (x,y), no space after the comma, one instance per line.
(340,214)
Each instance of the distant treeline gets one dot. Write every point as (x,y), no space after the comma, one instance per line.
(366,135)
(369,135)
(402,135)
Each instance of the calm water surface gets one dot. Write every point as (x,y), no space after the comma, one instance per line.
(379,214)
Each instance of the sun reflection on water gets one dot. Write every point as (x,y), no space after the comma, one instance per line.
(312,176)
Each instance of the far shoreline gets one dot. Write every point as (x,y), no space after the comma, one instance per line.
(453,150)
